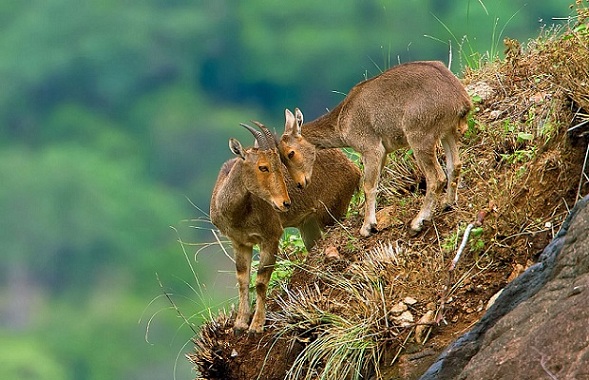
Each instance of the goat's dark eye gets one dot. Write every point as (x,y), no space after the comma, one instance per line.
(291,154)
(263,168)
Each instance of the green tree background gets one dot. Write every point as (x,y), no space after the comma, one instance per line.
(114,120)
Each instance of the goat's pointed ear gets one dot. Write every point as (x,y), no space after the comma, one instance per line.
(299,116)
(236,148)
(290,122)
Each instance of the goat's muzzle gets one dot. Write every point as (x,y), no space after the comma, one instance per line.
(303,182)
(284,207)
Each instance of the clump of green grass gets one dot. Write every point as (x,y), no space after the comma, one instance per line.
(471,55)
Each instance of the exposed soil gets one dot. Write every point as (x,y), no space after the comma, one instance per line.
(522,172)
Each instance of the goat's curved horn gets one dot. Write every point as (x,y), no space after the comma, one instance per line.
(272,141)
(260,138)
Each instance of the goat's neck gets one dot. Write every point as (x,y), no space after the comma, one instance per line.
(235,197)
(323,132)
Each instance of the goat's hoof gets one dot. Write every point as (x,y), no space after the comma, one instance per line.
(255,331)
(448,207)
(415,229)
(332,254)
(239,327)
(368,230)
(414,232)
(238,331)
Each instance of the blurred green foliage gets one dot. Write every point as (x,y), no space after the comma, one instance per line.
(113,113)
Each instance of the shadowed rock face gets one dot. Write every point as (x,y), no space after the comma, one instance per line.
(539,327)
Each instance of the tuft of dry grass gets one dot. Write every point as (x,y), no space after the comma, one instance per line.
(208,346)
(350,317)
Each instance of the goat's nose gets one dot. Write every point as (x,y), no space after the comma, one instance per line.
(286,204)
(302,184)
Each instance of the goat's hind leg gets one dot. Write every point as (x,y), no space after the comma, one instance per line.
(268,251)
(310,232)
(373,162)
(434,177)
(453,168)
(243,260)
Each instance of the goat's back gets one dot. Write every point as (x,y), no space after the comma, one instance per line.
(419,98)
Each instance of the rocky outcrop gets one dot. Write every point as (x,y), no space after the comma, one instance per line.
(539,326)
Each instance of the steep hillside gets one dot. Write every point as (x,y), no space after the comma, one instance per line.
(386,306)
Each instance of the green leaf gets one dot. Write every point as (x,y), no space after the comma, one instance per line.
(523,136)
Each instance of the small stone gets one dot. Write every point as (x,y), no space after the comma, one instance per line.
(481,89)
(234,353)
(409,301)
(405,319)
(331,253)
(423,325)
(398,308)
(540,97)
(495,114)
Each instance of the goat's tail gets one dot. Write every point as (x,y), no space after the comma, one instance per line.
(463,118)
(462,126)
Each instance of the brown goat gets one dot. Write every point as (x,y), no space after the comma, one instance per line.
(413,104)
(254,199)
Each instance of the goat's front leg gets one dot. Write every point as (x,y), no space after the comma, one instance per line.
(243,260)
(268,251)
(373,162)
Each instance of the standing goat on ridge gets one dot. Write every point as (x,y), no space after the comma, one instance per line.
(254,199)
(413,104)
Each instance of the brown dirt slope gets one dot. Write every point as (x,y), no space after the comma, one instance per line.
(386,306)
